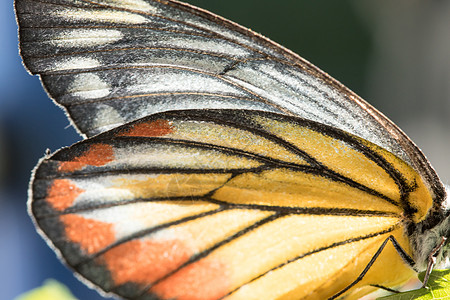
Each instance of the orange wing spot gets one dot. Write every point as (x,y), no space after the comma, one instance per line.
(91,235)
(206,279)
(152,129)
(62,193)
(143,262)
(98,155)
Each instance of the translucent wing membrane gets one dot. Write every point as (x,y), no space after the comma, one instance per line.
(109,62)
(227,204)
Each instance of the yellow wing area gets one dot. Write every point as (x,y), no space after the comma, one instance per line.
(227,204)
(346,154)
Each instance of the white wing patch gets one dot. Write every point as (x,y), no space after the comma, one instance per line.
(74,63)
(86,38)
(132,218)
(209,45)
(88,86)
(132,4)
(180,81)
(107,117)
(109,193)
(80,14)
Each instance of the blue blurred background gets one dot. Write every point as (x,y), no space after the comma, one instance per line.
(395,54)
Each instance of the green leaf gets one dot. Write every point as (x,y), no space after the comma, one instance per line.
(438,288)
(50,290)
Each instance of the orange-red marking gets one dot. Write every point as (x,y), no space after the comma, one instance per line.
(152,129)
(143,262)
(207,279)
(62,193)
(91,235)
(97,155)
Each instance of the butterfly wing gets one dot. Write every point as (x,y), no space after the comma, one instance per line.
(232,204)
(110,62)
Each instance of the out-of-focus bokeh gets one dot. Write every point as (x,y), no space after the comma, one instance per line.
(408,75)
(395,54)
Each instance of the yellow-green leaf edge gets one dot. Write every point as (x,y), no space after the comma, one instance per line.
(438,288)
(50,290)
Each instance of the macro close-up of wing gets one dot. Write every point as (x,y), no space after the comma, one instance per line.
(217,164)
(226,204)
(109,62)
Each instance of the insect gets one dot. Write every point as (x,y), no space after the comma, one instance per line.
(218,164)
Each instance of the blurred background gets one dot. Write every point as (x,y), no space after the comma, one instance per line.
(395,54)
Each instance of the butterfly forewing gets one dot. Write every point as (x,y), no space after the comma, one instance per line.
(111,62)
(181,205)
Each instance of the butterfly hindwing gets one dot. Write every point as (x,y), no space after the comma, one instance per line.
(223,203)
